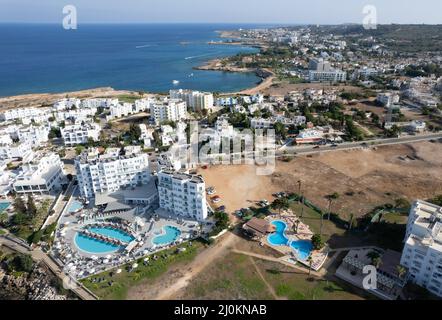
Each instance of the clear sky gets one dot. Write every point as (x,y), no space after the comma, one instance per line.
(223,11)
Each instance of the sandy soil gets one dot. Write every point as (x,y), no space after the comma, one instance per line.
(44,99)
(239,186)
(363,178)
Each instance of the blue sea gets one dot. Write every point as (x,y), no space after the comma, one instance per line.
(47,58)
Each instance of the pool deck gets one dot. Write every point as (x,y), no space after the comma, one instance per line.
(143,226)
(304,233)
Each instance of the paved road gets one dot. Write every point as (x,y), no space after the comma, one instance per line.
(358,145)
(38,255)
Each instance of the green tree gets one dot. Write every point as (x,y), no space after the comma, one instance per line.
(22,262)
(401,271)
(32,208)
(281,130)
(19,205)
(280,204)
(375,258)
(317,242)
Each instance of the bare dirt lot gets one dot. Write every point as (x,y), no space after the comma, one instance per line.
(363,178)
(239,186)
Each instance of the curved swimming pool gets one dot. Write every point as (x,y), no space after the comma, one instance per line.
(278,238)
(303,248)
(170,234)
(95,246)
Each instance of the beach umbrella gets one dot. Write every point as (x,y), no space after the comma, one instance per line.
(146,259)
(119,271)
(92,271)
(106,261)
(108,256)
(94,258)
(135,265)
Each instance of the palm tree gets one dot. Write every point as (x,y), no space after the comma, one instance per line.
(350,222)
(280,204)
(322,223)
(401,271)
(310,262)
(330,198)
(375,258)
(301,199)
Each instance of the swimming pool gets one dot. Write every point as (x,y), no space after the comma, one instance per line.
(75,206)
(303,248)
(278,238)
(4,206)
(91,245)
(170,234)
(113,233)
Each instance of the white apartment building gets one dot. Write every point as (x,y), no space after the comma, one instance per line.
(24,114)
(108,172)
(43,175)
(142,105)
(195,100)
(120,110)
(422,253)
(388,99)
(35,135)
(22,150)
(146,135)
(77,115)
(99,102)
(168,110)
(260,123)
(182,194)
(80,133)
(7,179)
(64,104)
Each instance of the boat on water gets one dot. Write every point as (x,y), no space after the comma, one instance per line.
(175,82)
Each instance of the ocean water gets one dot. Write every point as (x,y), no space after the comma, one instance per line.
(47,58)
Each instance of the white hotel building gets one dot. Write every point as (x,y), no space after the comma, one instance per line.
(168,110)
(195,100)
(43,175)
(80,133)
(182,194)
(422,253)
(108,172)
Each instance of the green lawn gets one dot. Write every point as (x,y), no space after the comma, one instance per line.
(313,219)
(128,98)
(393,217)
(235,277)
(232,277)
(143,274)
